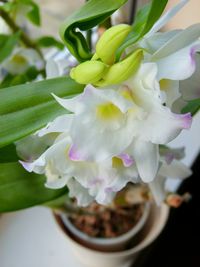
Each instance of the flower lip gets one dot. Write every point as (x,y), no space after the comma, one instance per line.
(126,159)
(27,165)
(186,120)
(74,155)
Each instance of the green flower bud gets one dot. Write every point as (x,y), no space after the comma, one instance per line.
(88,72)
(122,70)
(110,41)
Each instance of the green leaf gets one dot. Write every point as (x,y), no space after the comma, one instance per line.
(7,44)
(11,80)
(58,203)
(193,106)
(26,108)
(7,7)
(20,189)
(88,16)
(34,14)
(48,41)
(8,154)
(144,21)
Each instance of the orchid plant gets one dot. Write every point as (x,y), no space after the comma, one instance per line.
(106,124)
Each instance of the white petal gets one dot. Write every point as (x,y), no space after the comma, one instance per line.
(52,69)
(33,57)
(171,90)
(156,122)
(175,170)
(144,85)
(71,104)
(146,158)
(154,42)
(166,17)
(169,154)
(31,147)
(92,97)
(180,40)
(82,102)
(161,125)
(157,187)
(60,124)
(57,183)
(190,88)
(79,192)
(39,164)
(110,135)
(180,65)
(96,144)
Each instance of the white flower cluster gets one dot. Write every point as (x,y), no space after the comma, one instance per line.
(117,134)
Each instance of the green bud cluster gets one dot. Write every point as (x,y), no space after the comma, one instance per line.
(102,70)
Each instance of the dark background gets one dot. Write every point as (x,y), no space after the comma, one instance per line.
(179,243)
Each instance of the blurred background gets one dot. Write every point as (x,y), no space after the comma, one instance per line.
(54,12)
(30,238)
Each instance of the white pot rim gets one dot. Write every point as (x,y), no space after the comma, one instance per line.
(151,236)
(109,241)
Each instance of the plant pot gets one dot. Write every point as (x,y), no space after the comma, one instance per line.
(108,244)
(92,258)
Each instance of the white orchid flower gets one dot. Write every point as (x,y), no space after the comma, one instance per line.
(100,118)
(174,52)
(22,59)
(157,124)
(87,181)
(113,120)
(56,66)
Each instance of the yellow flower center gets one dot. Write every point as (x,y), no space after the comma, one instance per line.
(108,111)
(164,84)
(18,59)
(117,162)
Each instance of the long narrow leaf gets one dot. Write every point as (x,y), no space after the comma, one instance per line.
(20,189)
(8,154)
(144,21)
(26,108)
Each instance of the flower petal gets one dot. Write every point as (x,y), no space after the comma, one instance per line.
(190,88)
(156,41)
(175,170)
(169,154)
(57,183)
(179,65)
(180,40)
(147,159)
(108,143)
(171,90)
(52,69)
(161,125)
(60,124)
(81,194)
(38,166)
(144,85)
(157,187)
(102,124)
